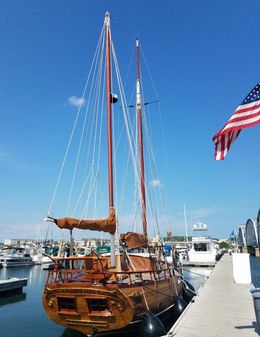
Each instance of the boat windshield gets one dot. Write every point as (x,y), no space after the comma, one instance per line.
(201,247)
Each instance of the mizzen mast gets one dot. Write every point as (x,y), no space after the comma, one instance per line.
(140,136)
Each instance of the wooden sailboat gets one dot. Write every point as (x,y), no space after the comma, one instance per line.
(98,293)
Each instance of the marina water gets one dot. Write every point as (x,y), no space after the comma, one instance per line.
(22,315)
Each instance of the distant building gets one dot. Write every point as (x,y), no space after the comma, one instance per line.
(18,242)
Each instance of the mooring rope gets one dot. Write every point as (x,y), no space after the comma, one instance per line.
(187,286)
(145,300)
(193,272)
(157,291)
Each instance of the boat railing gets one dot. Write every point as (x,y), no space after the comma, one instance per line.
(102,274)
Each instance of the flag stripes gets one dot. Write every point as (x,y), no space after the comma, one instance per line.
(247,114)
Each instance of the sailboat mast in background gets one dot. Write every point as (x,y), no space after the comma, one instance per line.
(140,136)
(185,222)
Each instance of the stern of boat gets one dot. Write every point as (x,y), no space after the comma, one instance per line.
(87,309)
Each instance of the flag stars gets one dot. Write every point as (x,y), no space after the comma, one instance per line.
(253,96)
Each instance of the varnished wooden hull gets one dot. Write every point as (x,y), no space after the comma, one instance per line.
(167,317)
(123,304)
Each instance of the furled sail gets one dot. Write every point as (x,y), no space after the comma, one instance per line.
(134,240)
(103,225)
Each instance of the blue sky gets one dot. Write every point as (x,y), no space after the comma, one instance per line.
(203,60)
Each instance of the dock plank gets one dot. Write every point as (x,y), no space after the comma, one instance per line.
(221,309)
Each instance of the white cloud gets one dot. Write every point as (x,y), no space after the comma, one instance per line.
(200,213)
(76,101)
(156,183)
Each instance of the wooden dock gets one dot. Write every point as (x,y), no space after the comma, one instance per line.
(198,264)
(12,285)
(221,309)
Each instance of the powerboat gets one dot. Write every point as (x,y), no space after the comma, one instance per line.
(16,258)
(204,249)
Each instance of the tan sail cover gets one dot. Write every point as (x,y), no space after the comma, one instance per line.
(103,225)
(134,240)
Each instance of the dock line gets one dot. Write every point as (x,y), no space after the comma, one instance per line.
(193,272)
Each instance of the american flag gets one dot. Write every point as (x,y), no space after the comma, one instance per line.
(247,114)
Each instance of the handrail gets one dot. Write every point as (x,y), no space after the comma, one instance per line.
(93,257)
(83,275)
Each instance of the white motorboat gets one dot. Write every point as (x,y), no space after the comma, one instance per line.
(204,249)
(16,258)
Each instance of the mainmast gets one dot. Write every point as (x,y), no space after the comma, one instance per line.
(140,136)
(109,112)
(109,129)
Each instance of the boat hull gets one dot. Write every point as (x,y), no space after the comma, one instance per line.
(167,317)
(6,262)
(17,264)
(97,308)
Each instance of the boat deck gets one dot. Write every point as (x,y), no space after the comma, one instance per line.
(221,309)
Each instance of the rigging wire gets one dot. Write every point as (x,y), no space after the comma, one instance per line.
(97,136)
(128,125)
(72,132)
(156,172)
(91,176)
(127,170)
(79,149)
(88,197)
(150,76)
(149,139)
(99,143)
(95,91)
(115,145)
(122,27)
(151,191)
(83,189)
(90,137)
